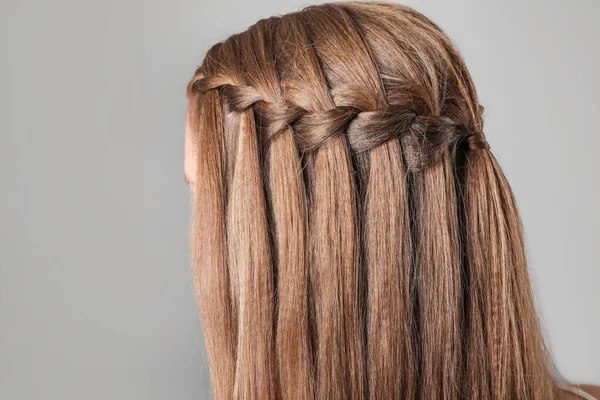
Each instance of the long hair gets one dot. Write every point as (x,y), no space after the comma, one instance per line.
(353,235)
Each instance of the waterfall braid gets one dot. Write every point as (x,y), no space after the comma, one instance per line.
(353,235)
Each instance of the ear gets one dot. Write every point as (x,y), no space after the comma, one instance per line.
(191,151)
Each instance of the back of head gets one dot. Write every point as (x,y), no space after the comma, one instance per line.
(354,236)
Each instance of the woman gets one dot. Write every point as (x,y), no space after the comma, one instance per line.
(353,235)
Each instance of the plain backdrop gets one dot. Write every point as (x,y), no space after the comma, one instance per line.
(95,291)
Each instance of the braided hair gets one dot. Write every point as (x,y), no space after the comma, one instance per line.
(354,237)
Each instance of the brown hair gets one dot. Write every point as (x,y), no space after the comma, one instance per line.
(353,235)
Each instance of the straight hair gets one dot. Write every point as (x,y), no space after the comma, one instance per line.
(353,236)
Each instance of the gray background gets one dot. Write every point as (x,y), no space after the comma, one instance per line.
(95,293)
